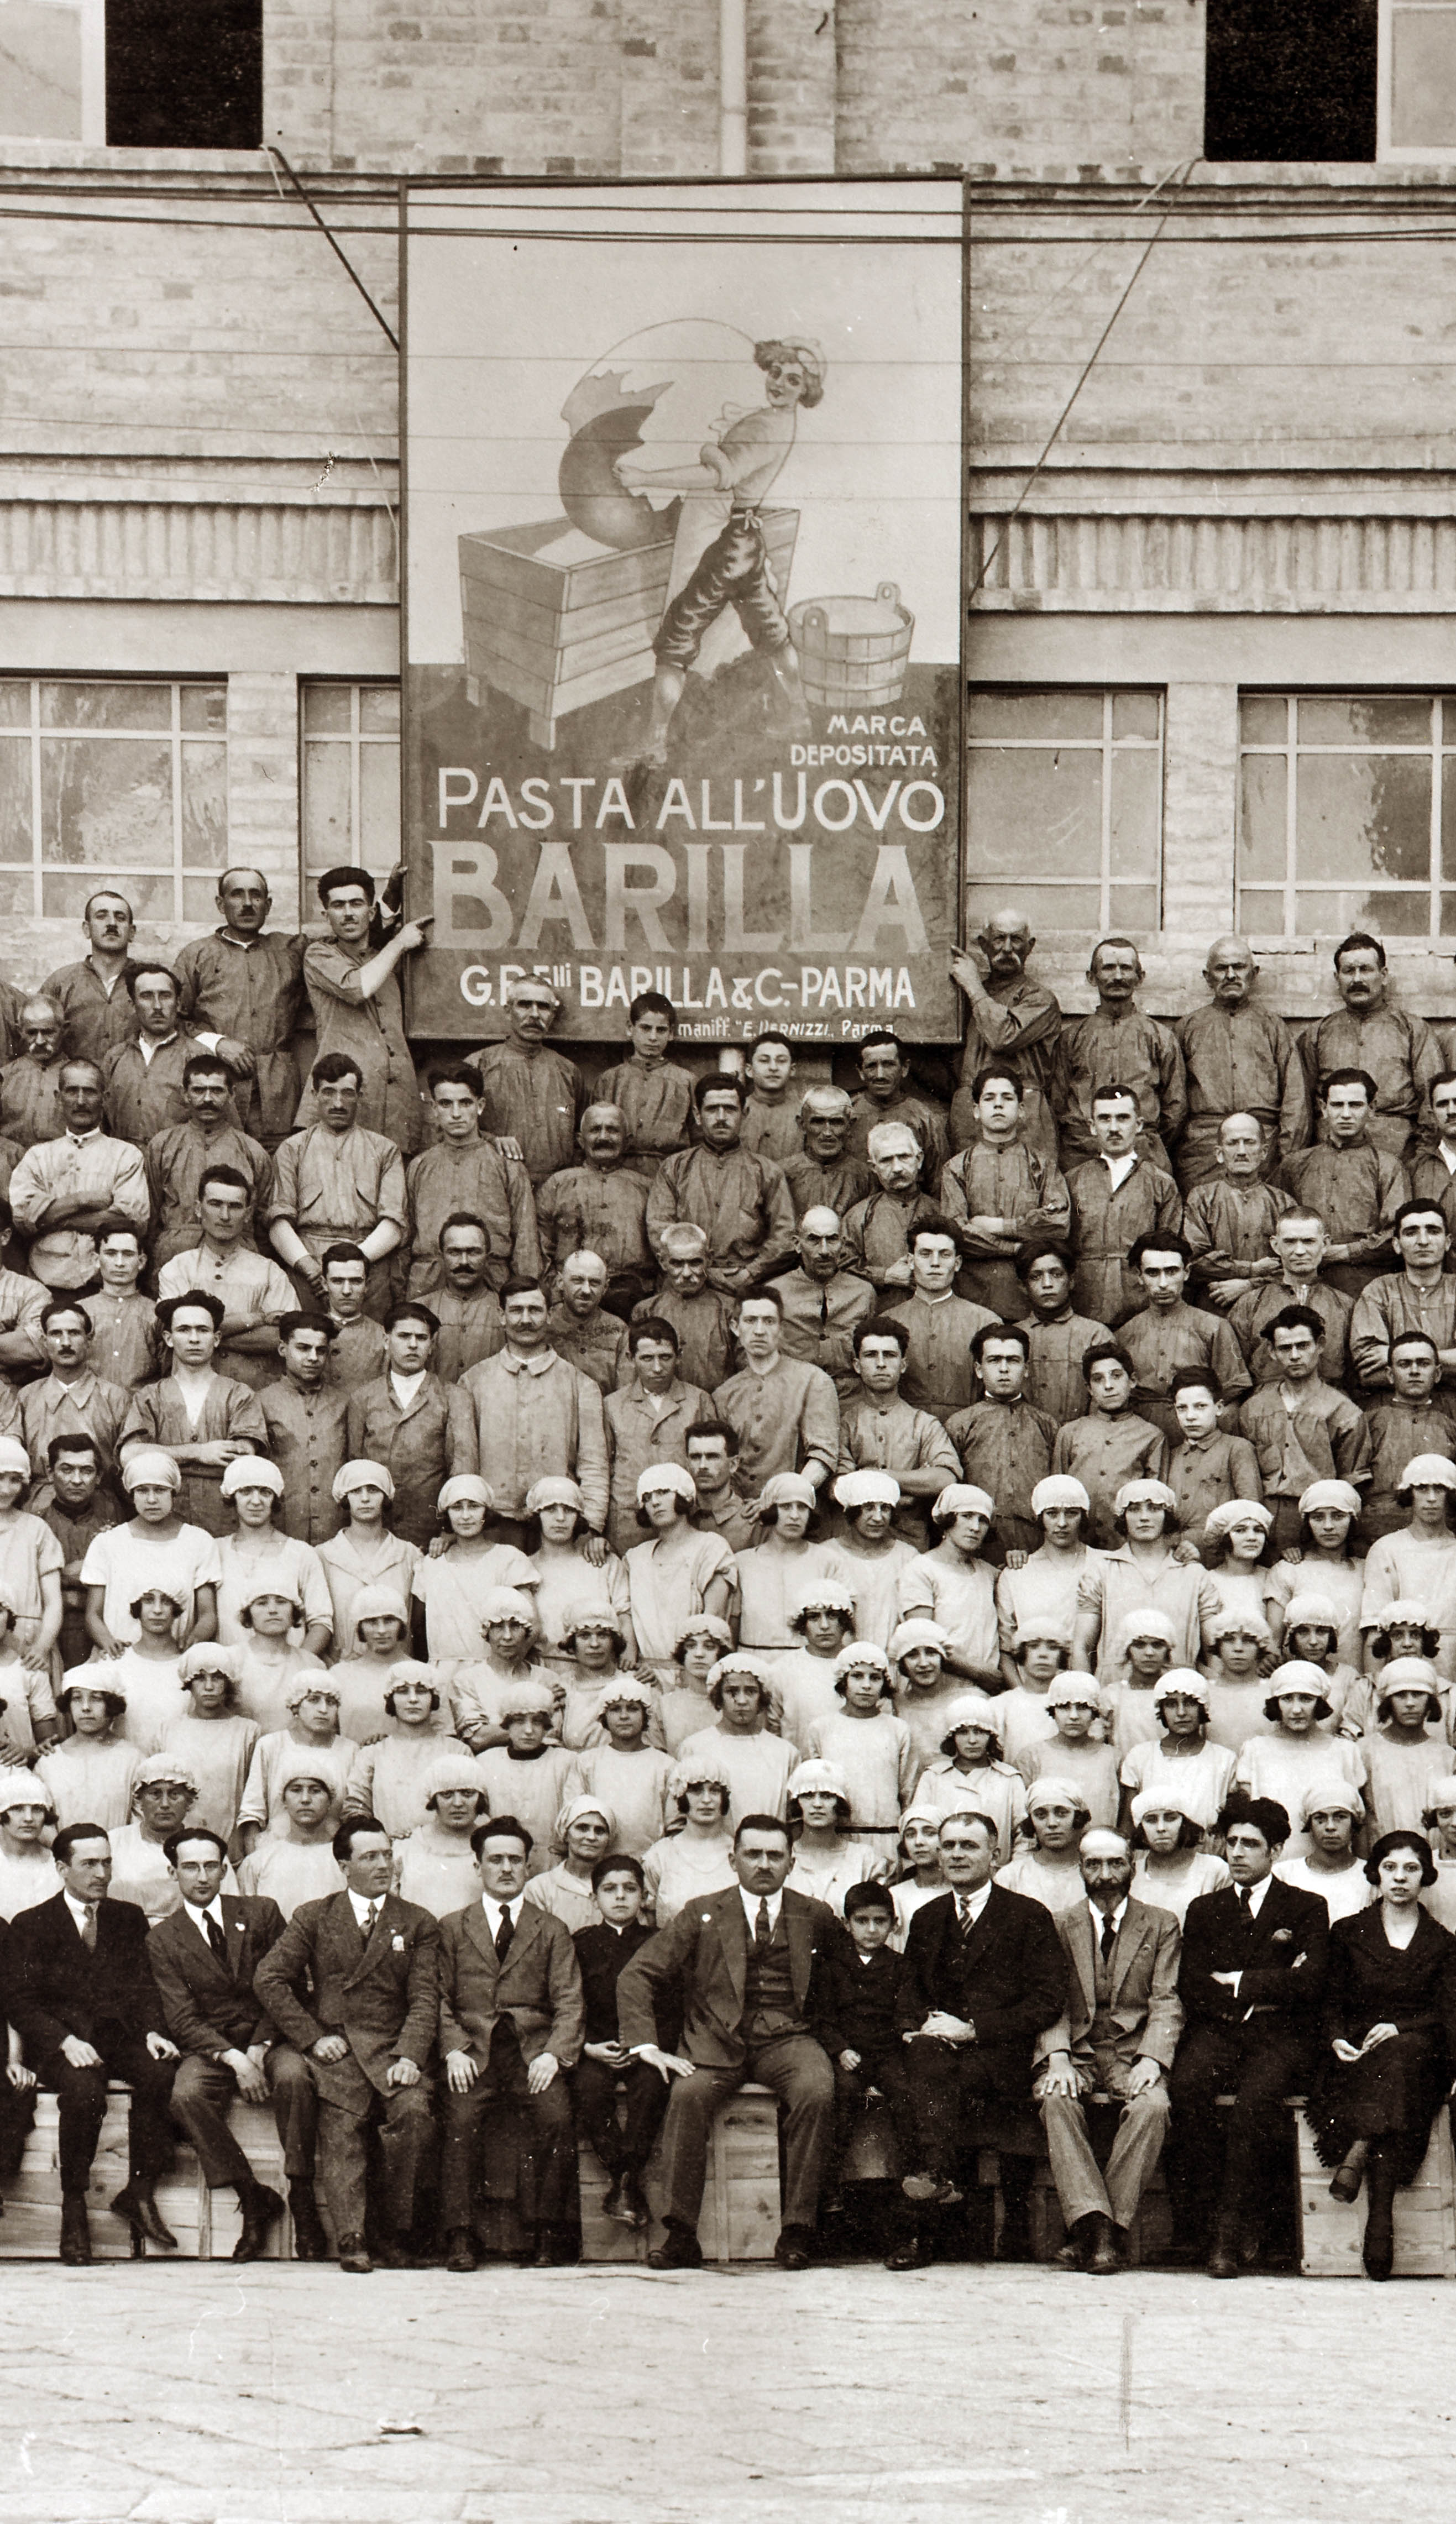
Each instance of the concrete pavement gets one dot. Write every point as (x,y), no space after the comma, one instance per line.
(188,2395)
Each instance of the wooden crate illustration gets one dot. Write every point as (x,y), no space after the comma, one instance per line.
(554,621)
(1331,2231)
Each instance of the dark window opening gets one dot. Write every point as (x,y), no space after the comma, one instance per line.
(1291,79)
(184,73)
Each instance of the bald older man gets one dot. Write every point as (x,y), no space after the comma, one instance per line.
(1007,1018)
(601,1207)
(581,1326)
(1238,1058)
(824,1301)
(824,1176)
(1115,2040)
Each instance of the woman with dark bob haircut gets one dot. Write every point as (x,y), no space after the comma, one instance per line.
(1390,2029)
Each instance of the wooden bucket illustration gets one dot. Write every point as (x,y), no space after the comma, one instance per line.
(854,650)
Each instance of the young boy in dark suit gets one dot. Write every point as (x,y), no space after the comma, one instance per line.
(604,1951)
(852,2014)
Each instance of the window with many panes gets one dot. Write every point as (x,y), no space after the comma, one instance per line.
(349,779)
(1347,814)
(122,781)
(1064,807)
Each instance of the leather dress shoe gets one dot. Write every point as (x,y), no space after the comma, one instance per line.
(76,2233)
(1223,2258)
(144,2218)
(262,2209)
(792,2251)
(353,2256)
(461,2249)
(910,2254)
(1104,2260)
(634,2211)
(679,2250)
(310,2239)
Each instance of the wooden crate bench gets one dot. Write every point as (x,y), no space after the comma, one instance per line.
(1332,2231)
(206,2224)
(556,633)
(741,2197)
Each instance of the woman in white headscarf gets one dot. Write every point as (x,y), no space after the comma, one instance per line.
(436,1863)
(562,1574)
(453,1582)
(677,1571)
(586,1829)
(364,1552)
(685,1865)
(295,1863)
(772,1576)
(258,1551)
(826,1860)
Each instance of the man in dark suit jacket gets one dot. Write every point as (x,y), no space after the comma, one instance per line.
(510,2020)
(1251,1980)
(1117,2038)
(985,1973)
(369,1961)
(744,1960)
(605,2070)
(202,1957)
(79,1992)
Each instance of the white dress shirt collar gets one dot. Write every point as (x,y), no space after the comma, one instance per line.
(751,1901)
(975,1901)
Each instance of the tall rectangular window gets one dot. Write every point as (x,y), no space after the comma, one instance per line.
(1064,807)
(1347,814)
(349,779)
(111,782)
(1418,80)
(53,69)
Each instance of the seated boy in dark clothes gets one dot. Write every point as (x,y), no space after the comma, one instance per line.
(603,1952)
(852,2015)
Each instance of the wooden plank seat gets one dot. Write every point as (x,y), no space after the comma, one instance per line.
(205,2223)
(1332,2231)
(741,2197)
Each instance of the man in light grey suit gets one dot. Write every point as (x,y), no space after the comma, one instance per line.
(1117,2037)
(511,2019)
(741,1963)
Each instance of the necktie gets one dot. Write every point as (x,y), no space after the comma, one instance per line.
(88,1933)
(1245,1900)
(371,1917)
(505,1933)
(963,1913)
(763,1929)
(1109,1938)
(216,1938)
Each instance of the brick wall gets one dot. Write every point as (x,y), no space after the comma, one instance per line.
(605,88)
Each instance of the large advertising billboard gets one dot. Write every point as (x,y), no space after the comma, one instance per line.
(683,565)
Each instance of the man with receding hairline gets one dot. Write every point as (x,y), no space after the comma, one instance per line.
(1370,1032)
(1239,1058)
(245,984)
(984,1974)
(92,995)
(823,1300)
(1117,2037)
(1117,1041)
(1007,1018)
(29,1082)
